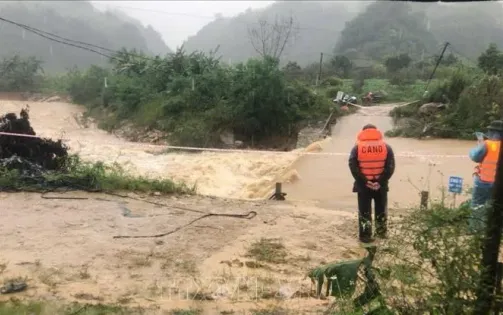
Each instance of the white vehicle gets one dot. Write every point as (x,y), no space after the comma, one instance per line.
(344,99)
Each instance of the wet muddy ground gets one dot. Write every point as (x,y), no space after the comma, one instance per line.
(67,249)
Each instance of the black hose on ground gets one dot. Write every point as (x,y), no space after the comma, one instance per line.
(250,215)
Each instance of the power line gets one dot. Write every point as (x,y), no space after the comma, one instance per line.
(39,33)
(70,42)
(76,43)
(57,36)
(213,18)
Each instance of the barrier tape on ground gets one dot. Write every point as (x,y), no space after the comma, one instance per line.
(18,135)
(298,152)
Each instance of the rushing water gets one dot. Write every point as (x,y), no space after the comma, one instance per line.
(234,175)
(327,179)
(252,175)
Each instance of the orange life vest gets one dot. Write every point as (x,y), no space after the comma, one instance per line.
(487,168)
(372,153)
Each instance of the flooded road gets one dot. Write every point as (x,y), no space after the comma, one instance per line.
(327,179)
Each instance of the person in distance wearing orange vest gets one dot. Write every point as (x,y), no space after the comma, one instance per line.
(486,155)
(372,163)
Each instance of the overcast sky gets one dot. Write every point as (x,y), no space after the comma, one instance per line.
(177,20)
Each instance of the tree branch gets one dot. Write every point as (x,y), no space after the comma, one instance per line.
(270,40)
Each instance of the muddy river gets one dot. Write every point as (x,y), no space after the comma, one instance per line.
(325,178)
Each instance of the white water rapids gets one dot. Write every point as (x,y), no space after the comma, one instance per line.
(325,179)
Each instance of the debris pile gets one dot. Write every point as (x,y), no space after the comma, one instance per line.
(28,154)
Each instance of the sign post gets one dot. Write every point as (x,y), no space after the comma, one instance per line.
(455,186)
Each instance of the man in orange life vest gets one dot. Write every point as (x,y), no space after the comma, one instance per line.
(372,164)
(486,154)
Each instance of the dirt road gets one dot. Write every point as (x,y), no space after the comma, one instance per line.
(66,249)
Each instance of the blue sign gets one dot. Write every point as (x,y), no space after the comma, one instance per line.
(455,184)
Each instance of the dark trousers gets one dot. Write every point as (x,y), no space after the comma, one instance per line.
(365,198)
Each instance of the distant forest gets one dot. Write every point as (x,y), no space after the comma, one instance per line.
(361,30)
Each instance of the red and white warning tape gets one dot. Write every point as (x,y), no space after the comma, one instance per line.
(295,152)
(18,135)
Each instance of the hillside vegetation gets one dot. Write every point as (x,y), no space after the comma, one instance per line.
(386,29)
(318,23)
(470,27)
(381,29)
(192,98)
(76,20)
(472,98)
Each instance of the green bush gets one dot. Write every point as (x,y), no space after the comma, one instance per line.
(404,77)
(450,90)
(431,263)
(473,100)
(21,74)
(331,92)
(194,98)
(127,94)
(358,85)
(405,111)
(80,175)
(332,82)
(477,105)
(55,84)
(87,87)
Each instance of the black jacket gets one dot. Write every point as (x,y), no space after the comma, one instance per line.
(360,180)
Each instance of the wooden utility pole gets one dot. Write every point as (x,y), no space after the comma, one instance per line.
(319,73)
(490,252)
(436,65)
(424,200)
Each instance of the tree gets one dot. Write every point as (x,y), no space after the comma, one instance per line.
(450,60)
(491,61)
(359,81)
(342,65)
(394,64)
(292,70)
(20,74)
(270,39)
(387,28)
